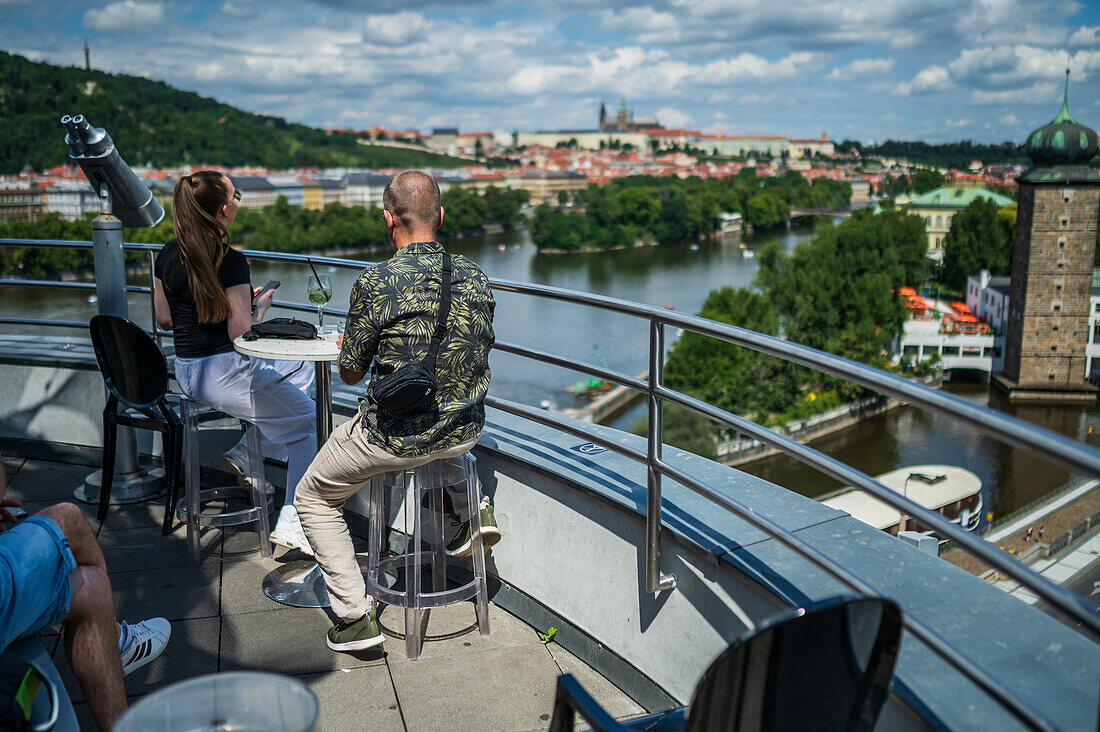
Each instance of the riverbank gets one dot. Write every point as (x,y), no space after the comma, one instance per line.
(742,450)
(716,235)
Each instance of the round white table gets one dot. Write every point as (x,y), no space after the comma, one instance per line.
(321,351)
(299,583)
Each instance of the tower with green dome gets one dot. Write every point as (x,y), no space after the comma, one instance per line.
(1056,221)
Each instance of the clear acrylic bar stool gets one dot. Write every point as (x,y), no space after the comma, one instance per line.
(189,508)
(427,479)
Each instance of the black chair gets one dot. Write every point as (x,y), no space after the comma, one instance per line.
(824,667)
(136,375)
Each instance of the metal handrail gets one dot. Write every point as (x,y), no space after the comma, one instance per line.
(1044,443)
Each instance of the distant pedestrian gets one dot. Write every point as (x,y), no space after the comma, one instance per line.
(1042,530)
(1027,536)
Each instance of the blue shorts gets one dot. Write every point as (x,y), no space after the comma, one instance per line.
(35,562)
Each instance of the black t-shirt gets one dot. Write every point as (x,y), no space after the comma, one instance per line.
(194,339)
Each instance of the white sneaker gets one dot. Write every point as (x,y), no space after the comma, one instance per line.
(147,639)
(236,462)
(288,531)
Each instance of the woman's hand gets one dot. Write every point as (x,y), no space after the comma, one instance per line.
(262,306)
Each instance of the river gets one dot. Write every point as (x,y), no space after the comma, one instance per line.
(679,276)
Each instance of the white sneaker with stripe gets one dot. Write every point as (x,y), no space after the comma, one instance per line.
(147,640)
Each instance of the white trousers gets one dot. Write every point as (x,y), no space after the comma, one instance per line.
(268,394)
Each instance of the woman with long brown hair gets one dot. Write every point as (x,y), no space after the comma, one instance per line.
(203,293)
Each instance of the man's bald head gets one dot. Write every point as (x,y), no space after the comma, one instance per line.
(412,198)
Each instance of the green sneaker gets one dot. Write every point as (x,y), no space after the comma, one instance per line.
(462,544)
(357,635)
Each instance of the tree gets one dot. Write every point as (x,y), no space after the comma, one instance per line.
(839,289)
(736,379)
(563,198)
(927,180)
(979,238)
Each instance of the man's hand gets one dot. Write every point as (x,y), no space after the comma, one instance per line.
(6,515)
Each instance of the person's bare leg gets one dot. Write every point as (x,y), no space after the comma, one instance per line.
(91,644)
(75,527)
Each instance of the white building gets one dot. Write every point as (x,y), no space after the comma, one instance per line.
(987,297)
(289,186)
(364,189)
(256,192)
(71,199)
(1092,348)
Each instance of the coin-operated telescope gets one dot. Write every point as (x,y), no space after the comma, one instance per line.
(93,150)
(126,202)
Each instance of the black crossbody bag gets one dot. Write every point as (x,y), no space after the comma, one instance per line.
(412,386)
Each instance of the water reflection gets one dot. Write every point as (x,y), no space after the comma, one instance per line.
(1011,478)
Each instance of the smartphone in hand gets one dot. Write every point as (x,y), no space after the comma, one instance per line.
(273,284)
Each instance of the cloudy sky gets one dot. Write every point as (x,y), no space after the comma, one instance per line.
(987,70)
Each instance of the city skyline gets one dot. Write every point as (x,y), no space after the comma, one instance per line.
(986,70)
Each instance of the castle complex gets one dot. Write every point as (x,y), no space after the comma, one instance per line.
(625,121)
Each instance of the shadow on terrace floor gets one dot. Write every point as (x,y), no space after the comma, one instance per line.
(222,621)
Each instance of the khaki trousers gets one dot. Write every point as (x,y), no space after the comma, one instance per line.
(345,463)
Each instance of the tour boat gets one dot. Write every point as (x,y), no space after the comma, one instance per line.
(952,491)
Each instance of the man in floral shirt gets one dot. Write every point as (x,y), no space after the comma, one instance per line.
(393,313)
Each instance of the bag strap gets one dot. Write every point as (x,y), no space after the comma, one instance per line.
(444,312)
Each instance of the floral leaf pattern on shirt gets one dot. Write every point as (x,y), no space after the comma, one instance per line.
(392,314)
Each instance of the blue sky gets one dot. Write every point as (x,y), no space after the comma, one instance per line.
(937,70)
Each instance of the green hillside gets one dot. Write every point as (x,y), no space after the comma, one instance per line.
(152,123)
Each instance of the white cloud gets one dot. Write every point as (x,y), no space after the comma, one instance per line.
(1085,36)
(395,29)
(932,78)
(124,15)
(675,118)
(1041,92)
(862,67)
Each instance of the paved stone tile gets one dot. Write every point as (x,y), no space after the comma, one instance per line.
(242,590)
(1077,560)
(614,701)
(38,480)
(192,651)
(12,465)
(145,515)
(491,689)
(132,550)
(242,542)
(356,699)
(288,641)
(1059,573)
(452,632)
(175,593)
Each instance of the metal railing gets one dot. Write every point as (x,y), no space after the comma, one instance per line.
(1041,442)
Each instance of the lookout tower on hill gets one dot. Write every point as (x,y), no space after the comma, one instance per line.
(1052,263)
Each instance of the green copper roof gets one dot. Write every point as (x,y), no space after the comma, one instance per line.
(1062,149)
(957,197)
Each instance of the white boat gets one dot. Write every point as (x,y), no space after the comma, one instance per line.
(954,492)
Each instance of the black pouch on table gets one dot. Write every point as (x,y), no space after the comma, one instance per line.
(290,328)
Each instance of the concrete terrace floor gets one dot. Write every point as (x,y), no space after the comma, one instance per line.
(222,621)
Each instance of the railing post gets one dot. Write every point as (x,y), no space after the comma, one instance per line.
(656,580)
